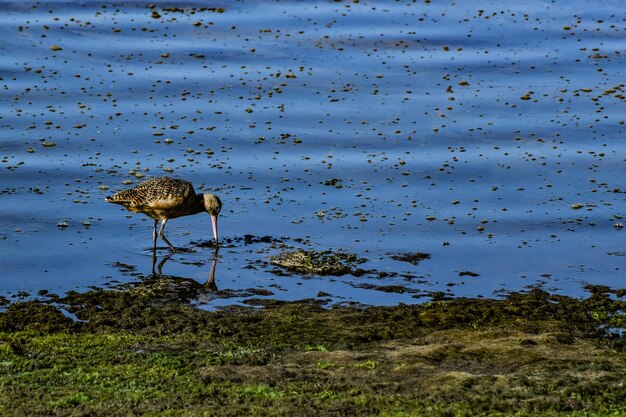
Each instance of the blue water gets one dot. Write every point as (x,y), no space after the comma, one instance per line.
(431,120)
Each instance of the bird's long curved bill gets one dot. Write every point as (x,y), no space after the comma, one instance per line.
(214,221)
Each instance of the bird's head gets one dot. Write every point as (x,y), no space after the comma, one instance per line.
(213,206)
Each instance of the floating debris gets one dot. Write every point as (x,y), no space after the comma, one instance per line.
(411,257)
(317,262)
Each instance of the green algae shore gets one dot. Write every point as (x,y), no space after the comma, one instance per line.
(134,351)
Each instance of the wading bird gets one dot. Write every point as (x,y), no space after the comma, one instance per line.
(166,198)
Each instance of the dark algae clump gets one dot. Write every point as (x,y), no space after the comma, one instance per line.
(134,351)
(411,257)
(318,262)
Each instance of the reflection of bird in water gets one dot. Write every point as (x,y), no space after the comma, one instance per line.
(210,284)
(166,198)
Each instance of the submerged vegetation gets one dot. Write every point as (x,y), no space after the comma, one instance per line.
(412,258)
(133,351)
(319,262)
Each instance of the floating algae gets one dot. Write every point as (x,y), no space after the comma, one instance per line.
(318,262)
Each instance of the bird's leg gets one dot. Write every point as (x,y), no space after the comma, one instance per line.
(154,234)
(162,234)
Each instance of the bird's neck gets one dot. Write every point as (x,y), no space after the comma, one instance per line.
(198,205)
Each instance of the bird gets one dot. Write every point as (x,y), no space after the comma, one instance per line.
(164,198)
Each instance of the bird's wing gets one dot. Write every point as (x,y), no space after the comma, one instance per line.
(156,193)
(172,198)
(165,192)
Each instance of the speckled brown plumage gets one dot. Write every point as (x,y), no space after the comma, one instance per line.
(166,198)
(160,198)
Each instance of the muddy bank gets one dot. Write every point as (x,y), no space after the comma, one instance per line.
(133,351)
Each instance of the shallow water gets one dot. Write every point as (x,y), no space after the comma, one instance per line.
(375,128)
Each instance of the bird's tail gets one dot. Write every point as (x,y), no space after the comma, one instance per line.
(115,199)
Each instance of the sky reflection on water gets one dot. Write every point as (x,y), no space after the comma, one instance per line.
(465,131)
